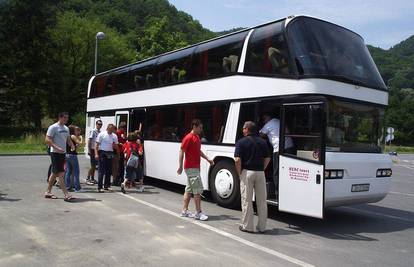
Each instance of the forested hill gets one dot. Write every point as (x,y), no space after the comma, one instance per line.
(47,49)
(397,69)
(47,55)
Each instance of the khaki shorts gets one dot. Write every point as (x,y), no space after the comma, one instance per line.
(194,183)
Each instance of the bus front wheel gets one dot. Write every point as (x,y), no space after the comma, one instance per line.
(225,185)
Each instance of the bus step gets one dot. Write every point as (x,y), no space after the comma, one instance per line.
(272,202)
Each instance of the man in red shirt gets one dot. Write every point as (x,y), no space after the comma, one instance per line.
(118,162)
(191,148)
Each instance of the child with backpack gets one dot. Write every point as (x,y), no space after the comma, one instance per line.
(132,152)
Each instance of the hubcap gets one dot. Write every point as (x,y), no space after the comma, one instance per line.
(224,183)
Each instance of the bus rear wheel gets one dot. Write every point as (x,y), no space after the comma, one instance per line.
(225,185)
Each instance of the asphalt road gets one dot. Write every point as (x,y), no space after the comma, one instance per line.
(112,229)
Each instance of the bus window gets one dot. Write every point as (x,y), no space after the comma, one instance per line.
(248,112)
(218,57)
(142,75)
(303,130)
(267,51)
(174,67)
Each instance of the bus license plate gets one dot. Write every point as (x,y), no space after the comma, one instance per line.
(360,187)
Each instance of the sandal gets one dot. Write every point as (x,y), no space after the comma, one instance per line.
(69,198)
(50,195)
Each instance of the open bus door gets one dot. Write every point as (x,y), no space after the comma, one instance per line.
(122,116)
(302,159)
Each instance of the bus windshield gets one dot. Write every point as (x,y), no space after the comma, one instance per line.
(354,127)
(322,49)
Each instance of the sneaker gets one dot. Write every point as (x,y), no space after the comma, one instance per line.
(89,182)
(201,216)
(186,213)
(100,190)
(93,181)
(123,188)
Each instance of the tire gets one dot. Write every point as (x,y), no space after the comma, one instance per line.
(225,185)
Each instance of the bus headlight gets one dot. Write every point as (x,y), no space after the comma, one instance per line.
(384,173)
(334,174)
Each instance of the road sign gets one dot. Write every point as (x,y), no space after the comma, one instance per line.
(389,137)
(390,130)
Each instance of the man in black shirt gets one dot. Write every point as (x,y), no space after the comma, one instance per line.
(252,157)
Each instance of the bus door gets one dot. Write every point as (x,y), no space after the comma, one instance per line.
(122,116)
(302,158)
(137,119)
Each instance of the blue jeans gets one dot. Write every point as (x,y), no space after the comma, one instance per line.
(72,168)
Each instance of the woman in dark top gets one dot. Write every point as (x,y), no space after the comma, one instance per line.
(72,163)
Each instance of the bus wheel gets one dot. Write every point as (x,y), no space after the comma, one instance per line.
(225,185)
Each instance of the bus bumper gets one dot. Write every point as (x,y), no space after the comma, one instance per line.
(338,192)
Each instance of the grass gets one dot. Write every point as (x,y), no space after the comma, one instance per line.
(400,149)
(28,144)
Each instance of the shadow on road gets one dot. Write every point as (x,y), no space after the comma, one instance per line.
(3,197)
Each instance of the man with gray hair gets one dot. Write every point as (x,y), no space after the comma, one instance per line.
(251,158)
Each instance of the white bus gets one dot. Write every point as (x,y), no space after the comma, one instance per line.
(318,78)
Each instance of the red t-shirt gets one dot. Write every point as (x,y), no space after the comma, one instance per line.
(191,146)
(129,146)
(121,136)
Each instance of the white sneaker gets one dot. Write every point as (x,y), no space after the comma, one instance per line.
(201,216)
(186,213)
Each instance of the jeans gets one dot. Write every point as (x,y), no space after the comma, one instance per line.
(72,168)
(105,169)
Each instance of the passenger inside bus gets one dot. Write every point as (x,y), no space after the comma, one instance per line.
(230,63)
(278,60)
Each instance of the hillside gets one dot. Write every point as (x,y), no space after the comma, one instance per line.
(47,51)
(397,69)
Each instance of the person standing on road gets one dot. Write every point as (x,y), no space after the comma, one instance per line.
(251,158)
(191,148)
(72,163)
(106,143)
(57,137)
(271,130)
(118,170)
(90,180)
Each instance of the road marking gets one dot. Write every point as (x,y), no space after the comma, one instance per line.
(380,214)
(223,233)
(408,167)
(403,194)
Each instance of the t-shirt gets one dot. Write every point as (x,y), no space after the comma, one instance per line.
(92,138)
(106,141)
(272,129)
(59,135)
(128,147)
(252,155)
(191,146)
(121,136)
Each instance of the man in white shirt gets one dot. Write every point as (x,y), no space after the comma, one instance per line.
(90,180)
(271,130)
(106,143)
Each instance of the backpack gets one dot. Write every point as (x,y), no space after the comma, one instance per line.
(133,160)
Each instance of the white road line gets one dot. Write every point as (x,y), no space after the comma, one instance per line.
(403,194)
(408,167)
(380,214)
(223,233)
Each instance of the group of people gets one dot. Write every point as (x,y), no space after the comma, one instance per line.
(110,151)
(112,154)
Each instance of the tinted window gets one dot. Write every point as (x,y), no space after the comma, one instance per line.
(173,123)
(303,130)
(174,67)
(143,76)
(325,49)
(267,51)
(218,57)
(248,112)
(353,127)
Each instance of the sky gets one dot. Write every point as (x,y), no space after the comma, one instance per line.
(381,23)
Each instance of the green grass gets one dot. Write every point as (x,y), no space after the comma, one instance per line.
(28,144)
(400,149)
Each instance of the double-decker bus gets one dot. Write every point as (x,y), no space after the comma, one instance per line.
(316,77)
